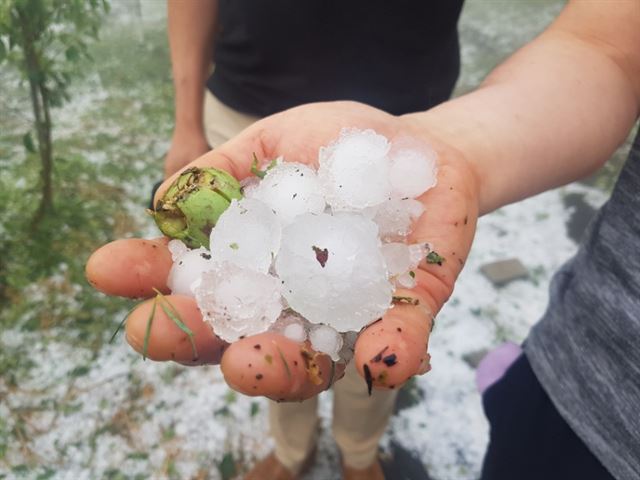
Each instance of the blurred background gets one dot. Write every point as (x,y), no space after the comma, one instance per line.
(81,143)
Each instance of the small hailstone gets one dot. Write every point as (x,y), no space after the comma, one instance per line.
(290,189)
(414,207)
(291,325)
(354,170)
(177,248)
(295,332)
(394,217)
(248,185)
(397,258)
(418,252)
(247,234)
(326,340)
(413,171)
(332,270)
(187,269)
(237,301)
(406,280)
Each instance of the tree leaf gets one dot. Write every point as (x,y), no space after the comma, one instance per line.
(27,141)
(227,466)
(72,53)
(3,51)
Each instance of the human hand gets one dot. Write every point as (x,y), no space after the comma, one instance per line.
(269,364)
(186,146)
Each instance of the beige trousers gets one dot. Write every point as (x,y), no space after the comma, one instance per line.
(359,420)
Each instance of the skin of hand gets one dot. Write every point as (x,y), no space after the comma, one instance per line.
(552,113)
(191,29)
(389,351)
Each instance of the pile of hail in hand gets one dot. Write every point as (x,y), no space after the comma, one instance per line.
(314,255)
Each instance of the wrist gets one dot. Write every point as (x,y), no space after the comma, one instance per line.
(188,130)
(454,148)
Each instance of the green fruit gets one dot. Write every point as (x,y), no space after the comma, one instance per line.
(190,208)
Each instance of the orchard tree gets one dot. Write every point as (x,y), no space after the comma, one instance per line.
(45,40)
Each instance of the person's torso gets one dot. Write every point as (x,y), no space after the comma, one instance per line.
(586,349)
(399,56)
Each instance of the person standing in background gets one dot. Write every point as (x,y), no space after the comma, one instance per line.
(400,57)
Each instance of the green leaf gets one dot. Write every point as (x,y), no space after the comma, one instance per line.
(123,321)
(227,467)
(3,51)
(173,314)
(72,54)
(434,257)
(27,141)
(147,333)
(255,409)
(79,371)
(255,169)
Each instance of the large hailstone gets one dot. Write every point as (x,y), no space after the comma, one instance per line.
(332,270)
(354,170)
(247,234)
(413,170)
(238,302)
(289,189)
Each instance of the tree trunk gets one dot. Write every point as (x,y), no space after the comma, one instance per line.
(40,105)
(46,159)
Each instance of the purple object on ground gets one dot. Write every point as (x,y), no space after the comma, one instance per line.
(495,364)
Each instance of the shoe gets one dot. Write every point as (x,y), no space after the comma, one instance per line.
(373,472)
(270,468)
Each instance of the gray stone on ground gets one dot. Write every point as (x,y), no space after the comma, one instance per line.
(473,359)
(504,271)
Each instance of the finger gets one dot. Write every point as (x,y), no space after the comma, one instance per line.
(165,340)
(273,366)
(392,350)
(448,225)
(236,162)
(130,268)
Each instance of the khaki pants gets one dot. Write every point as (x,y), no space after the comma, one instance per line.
(359,420)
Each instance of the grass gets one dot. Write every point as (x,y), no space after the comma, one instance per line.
(103,172)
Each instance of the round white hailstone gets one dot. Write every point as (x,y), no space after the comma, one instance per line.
(291,325)
(187,269)
(414,207)
(348,346)
(394,217)
(332,270)
(177,248)
(238,302)
(246,234)
(354,170)
(397,258)
(406,280)
(248,185)
(418,252)
(295,332)
(326,340)
(290,189)
(412,172)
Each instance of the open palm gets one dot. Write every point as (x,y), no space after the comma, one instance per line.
(269,364)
